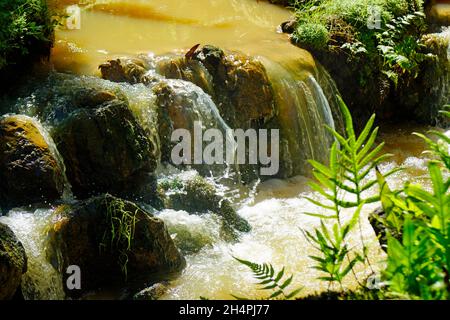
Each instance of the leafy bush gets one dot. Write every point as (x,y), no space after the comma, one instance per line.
(26,29)
(419,264)
(401,51)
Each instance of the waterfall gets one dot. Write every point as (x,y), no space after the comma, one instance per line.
(304,111)
(305,100)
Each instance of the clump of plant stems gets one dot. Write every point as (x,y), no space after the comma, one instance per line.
(119,234)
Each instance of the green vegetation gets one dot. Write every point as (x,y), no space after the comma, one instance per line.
(119,235)
(269,280)
(399,48)
(26,31)
(313,35)
(419,264)
(416,221)
(386,34)
(343,183)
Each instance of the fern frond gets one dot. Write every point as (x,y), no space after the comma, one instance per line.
(270,280)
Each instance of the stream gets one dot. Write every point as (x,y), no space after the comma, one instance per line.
(274,208)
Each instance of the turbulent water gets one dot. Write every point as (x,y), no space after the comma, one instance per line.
(305,97)
(41,281)
(276,213)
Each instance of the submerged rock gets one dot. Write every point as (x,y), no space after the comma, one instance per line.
(105,150)
(196,195)
(29,170)
(114,242)
(13,263)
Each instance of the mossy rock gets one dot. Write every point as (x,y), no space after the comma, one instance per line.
(114,242)
(106,150)
(29,170)
(196,195)
(13,263)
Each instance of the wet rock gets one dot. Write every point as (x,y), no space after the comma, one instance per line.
(237,83)
(114,242)
(105,150)
(178,108)
(242,89)
(288,26)
(430,91)
(414,97)
(171,116)
(124,70)
(13,263)
(29,169)
(154,292)
(180,105)
(196,195)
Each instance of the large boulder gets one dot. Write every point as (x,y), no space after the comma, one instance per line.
(13,263)
(29,168)
(238,84)
(106,150)
(114,242)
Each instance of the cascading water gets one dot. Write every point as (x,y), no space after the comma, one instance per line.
(41,281)
(304,112)
(305,98)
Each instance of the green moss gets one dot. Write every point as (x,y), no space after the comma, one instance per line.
(312,35)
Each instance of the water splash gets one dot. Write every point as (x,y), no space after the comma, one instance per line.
(41,281)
